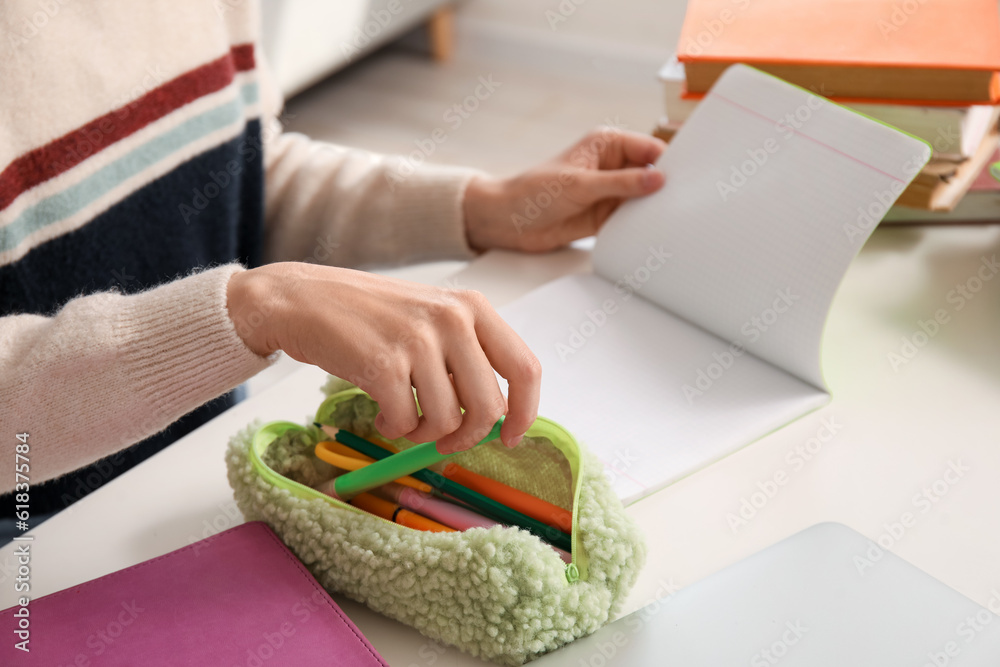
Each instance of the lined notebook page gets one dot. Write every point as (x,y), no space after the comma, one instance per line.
(771,192)
(638,358)
(617,382)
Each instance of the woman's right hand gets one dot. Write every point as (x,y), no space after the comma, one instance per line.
(388,336)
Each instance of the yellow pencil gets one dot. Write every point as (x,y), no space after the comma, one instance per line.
(329,451)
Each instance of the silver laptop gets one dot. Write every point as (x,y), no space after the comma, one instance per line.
(825,597)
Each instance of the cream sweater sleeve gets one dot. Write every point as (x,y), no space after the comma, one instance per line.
(345,207)
(340,206)
(109,370)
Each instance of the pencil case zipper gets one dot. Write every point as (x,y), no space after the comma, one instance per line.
(560,438)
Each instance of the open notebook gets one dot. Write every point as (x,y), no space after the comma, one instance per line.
(699,329)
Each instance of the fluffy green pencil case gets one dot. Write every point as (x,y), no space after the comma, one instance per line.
(501,593)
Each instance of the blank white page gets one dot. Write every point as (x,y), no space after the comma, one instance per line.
(756,209)
(617,383)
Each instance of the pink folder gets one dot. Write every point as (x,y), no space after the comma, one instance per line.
(237,598)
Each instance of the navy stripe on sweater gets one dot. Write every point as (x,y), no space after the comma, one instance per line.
(184,220)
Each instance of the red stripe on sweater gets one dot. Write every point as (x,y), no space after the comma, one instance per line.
(243,57)
(69,150)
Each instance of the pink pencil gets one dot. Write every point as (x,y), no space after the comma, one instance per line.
(442,511)
(447,513)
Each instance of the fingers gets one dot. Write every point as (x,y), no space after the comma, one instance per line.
(612,148)
(616,164)
(463,336)
(398,410)
(619,183)
(626,148)
(478,393)
(438,402)
(515,362)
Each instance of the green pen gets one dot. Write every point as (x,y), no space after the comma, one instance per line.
(394,466)
(487,506)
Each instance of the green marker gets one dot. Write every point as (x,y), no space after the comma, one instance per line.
(486,506)
(394,466)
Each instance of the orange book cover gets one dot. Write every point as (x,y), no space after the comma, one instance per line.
(931,34)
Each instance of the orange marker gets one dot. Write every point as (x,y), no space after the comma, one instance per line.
(525,503)
(393,512)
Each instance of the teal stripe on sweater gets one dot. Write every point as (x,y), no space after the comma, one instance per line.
(64,204)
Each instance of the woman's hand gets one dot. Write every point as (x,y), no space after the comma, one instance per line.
(388,335)
(564,199)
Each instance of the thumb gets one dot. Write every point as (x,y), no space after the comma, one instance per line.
(620,183)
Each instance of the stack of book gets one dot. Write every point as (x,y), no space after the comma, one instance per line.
(927,68)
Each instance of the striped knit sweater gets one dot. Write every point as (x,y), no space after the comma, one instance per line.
(141,164)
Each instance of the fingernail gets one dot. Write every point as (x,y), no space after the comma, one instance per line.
(650,178)
(647,178)
(516,441)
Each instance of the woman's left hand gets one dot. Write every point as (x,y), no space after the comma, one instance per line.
(566,198)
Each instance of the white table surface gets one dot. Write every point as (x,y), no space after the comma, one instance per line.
(900,431)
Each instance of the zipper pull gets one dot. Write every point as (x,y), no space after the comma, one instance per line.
(572,574)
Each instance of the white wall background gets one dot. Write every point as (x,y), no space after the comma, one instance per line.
(639,25)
